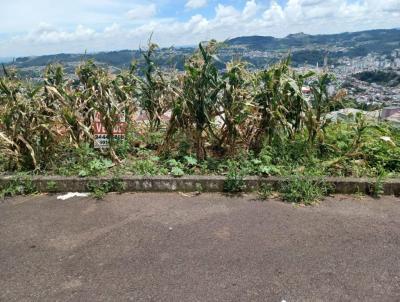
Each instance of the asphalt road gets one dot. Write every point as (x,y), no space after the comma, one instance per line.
(170,247)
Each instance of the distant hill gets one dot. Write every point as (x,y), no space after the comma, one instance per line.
(113,58)
(313,48)
(258,50)
(381,41)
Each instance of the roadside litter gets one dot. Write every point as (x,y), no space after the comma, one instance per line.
(71,195)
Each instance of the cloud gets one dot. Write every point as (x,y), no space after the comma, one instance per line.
(274,15)
(254,17)
(45,33)
(113,29)
(142,12)
(392,6)
(194,4)
(250,10)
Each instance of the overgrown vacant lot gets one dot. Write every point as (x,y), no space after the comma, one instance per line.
(171,247)
(234,122)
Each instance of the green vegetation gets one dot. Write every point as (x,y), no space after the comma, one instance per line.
(233,122)
(51,186)
(100,189)
(234,182)
(265,191)
(21,184)
(386,78)
(377,189)
(304,190)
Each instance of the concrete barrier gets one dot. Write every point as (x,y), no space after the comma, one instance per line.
(60,184)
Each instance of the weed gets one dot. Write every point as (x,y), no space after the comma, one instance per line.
(199,188)
(95,167)
(177,172)
(100,189)
(265,191)
(190,161)
(176,168)
(19,185)
(359,194)
(117,185)
(84,161)
(303,190)
(51,186)
(234,182)
(148,167)
(377,188)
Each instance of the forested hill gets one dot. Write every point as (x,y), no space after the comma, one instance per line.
(381,41)
(258,50)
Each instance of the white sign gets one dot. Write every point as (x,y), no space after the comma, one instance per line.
(101,139)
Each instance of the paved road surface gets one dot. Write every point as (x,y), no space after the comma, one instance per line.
(169,247)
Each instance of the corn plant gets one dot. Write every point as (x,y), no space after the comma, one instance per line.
(321,102)
(276,93)
(153,89)
(107,96)
(27,133)
(236,106)
(74,114)
(196,107)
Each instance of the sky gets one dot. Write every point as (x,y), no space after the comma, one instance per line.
(37,27)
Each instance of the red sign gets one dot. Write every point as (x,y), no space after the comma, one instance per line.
(101,139)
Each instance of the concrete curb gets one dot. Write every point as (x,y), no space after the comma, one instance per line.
(60,184)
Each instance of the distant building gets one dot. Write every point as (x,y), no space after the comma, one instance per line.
(388,112)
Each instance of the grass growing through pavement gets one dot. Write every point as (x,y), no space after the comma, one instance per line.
(305,191)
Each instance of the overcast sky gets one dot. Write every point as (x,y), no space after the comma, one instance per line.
(35,27)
